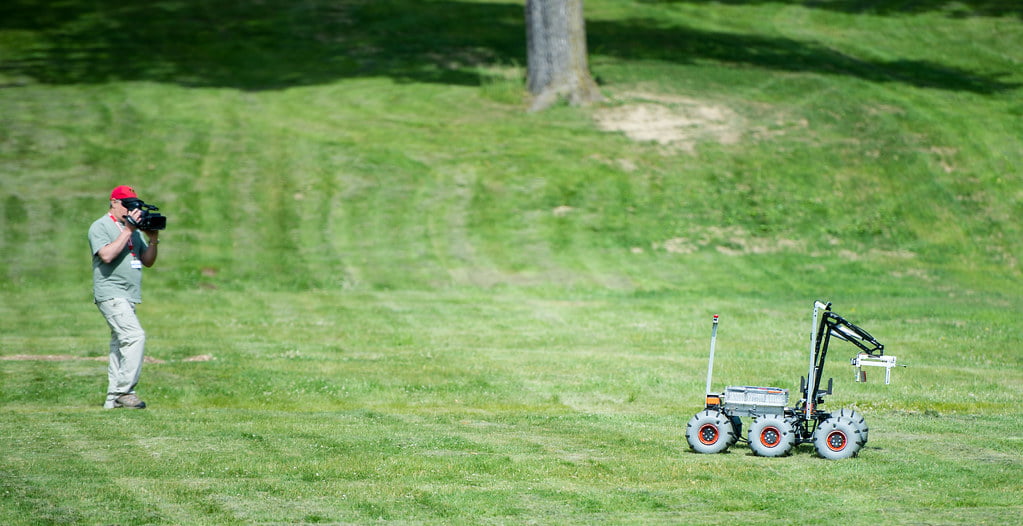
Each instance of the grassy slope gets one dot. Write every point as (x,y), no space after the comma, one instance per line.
(363,235)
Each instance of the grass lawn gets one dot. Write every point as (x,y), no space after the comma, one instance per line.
(387,293)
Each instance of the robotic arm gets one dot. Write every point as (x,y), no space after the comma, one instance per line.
(843,330)
(872,350)
(832,325)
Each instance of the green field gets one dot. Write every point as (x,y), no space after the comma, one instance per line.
(389,294)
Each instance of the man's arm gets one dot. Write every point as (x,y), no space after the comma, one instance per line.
(148,255)
(111,250)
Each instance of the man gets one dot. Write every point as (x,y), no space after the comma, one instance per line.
(118,255)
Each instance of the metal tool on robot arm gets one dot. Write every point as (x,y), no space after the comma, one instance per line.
(872,354)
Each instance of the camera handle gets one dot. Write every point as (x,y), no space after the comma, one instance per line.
(132,222)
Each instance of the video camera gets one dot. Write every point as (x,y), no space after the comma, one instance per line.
(149,220)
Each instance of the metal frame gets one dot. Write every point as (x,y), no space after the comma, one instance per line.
(827,324)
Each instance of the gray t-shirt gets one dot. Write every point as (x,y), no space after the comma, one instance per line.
(116,279)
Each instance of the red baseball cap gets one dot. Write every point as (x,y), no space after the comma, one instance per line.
(123,192)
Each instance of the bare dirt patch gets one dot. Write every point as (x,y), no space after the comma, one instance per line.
(70,358)
(672,121)
(731,241)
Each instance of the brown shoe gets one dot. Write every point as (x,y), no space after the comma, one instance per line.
(130,400)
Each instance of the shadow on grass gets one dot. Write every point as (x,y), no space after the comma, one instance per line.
(952,8)
(275,44)
(646,39)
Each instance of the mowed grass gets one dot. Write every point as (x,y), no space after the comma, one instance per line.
(467,408)
(459,407)
(389,294)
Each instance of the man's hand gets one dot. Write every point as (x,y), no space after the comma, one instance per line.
(132,219)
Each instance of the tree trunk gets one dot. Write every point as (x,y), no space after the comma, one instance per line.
(556,54)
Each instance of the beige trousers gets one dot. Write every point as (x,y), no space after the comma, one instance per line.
(127,346)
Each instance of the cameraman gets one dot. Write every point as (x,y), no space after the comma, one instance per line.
(118,254)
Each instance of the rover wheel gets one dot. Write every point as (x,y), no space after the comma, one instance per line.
(837,438)
(710,432)
(771,436)
(857,420)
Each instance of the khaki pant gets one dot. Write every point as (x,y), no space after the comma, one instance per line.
(127,346)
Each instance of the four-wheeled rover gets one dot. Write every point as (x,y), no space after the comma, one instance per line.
(776,428)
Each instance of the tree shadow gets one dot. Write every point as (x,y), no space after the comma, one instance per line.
(276,44)
(258,45)
(951,8)
(646,39)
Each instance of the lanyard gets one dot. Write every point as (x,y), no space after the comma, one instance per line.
(131,246)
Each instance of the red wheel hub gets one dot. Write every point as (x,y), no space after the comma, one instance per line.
(837,441)
(709,434)
(770,436)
